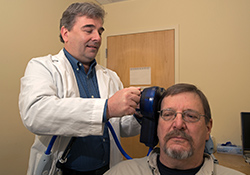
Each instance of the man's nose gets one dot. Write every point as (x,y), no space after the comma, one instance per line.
(178,122)
(96,36)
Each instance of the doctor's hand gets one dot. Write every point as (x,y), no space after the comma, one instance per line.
(123,102)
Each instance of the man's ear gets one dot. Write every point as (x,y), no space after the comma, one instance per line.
(64,34)
(209,128)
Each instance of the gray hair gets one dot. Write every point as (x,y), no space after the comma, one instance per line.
(88,9)
(183,87)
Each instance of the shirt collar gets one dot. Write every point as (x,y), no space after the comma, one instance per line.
(75,63)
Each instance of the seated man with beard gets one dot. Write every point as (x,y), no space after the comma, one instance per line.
(183,128)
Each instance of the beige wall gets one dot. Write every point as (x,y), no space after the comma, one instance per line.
(29,28)
(213,53)
(213,49)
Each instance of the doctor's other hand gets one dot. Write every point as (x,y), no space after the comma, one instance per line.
(123,102)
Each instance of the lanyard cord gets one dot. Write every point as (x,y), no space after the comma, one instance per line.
(63,159)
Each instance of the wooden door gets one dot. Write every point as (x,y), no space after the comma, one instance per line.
(154,50)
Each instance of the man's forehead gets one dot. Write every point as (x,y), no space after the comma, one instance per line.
(89,18)
(185,96)
(184,101)
(86,21)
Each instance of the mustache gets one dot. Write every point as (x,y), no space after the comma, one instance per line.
(178,133)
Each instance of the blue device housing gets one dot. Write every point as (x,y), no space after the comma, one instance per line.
(149,109)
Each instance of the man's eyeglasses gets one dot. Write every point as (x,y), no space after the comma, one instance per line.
(189,116)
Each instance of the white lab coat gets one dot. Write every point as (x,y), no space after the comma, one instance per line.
(50,104)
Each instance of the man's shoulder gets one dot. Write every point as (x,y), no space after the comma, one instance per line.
(133,166)
(58,58)
(135,163)
(50,55)
(221,170)
(209,167)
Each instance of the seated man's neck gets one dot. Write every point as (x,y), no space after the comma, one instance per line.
(184,164)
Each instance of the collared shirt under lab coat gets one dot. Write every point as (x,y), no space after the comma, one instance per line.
(50,105)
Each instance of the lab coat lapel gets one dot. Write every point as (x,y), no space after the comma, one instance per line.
(70,88)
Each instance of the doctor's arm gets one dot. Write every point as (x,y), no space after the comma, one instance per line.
(46,109)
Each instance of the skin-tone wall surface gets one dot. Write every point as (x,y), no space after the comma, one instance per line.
(28,29)
(213,53)
(212,50)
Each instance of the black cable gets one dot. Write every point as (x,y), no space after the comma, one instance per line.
(63,159)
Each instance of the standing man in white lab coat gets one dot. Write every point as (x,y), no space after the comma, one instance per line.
(70,95)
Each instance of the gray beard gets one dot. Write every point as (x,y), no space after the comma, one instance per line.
(178,154)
